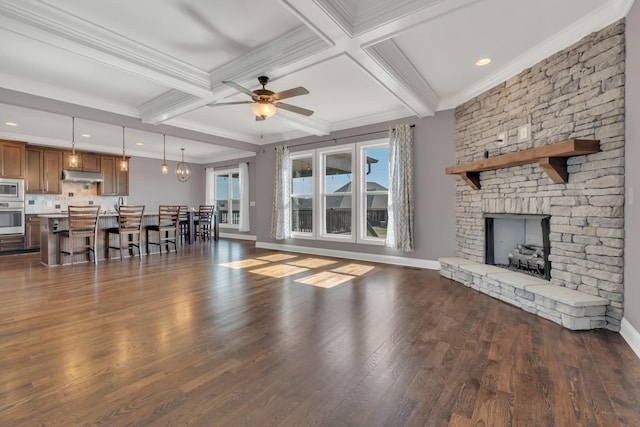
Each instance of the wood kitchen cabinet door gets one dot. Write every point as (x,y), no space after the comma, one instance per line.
(52,161)
(90,162)
(34,180)
(12,159)
(109,187)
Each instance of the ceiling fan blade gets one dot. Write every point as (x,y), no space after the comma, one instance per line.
(293,109)
(238,87)
(297,91)
(217,104)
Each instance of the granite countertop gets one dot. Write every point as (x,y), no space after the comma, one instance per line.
(102,214)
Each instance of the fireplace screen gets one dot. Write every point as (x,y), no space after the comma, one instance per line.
(519,243)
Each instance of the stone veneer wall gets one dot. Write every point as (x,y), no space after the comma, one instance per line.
(575,93)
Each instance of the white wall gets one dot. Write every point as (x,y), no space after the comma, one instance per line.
(632,172)
(147,185)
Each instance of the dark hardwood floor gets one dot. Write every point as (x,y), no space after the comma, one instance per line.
(181,339)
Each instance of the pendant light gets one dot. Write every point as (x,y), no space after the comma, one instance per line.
(124,167)
(183,171)
(73,160)
(164,167)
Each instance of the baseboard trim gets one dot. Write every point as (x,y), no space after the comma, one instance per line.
(359,256)
(631,336)
(238,236)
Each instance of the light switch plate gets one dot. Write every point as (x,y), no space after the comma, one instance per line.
(524,133)
(501,139)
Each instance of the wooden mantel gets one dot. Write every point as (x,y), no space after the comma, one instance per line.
(552,159)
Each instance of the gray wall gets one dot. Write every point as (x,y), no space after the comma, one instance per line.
(229,164)
(147,185)
(434,191)
(632,172)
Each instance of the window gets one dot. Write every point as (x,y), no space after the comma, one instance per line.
(373,161)
(336,190)
(341,193)
(302,189)
(226,196)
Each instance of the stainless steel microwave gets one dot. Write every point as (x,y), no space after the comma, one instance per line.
(11,190)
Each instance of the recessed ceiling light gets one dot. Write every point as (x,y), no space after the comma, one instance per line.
(10,124)
(86,135)
(140,143)
(483,61)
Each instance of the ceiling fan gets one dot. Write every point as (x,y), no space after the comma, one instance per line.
(265,102)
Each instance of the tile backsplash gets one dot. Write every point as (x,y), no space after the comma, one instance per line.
(73,193)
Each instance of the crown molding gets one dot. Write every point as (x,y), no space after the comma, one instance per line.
(279,52)
(52,26)
(168,106)
(391,58)
(605,15)
(213,130)
(310,125)
(356,20)
(386,116)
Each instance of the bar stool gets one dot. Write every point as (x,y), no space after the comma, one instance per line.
(129,224)
(167,223)
(83,223)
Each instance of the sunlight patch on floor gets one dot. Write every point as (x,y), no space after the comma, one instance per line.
(277,257)
(325,279)
(312,262)
(354,269)
(245,263)
(280,270)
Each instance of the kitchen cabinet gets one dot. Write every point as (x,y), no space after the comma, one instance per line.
(12,159)
(11,243)
(88,162)
(43,171)
(116,182)
(32,232)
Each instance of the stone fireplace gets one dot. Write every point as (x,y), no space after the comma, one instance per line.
(519,243)
(577,93)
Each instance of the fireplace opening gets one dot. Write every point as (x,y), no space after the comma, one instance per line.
(519,243)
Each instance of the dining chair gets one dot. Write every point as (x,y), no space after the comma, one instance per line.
(204,222)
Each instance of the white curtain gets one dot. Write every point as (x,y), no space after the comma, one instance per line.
(209,187)
(400,207)
(243,172)
(281,216)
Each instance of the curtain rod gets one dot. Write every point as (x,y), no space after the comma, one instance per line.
(344,137)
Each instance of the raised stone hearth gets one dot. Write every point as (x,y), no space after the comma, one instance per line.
(567,307)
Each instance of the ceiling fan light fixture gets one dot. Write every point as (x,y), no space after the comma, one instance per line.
(263,109)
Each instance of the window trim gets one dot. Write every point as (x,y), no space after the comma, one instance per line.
(363,193)
(292,157)
(230,200)
(322,196)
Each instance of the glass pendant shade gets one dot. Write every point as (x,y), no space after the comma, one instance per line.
(124,166)
(183,170)
(73,160)
(164,167)
(263,109)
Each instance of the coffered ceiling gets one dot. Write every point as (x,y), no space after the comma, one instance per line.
(154,66)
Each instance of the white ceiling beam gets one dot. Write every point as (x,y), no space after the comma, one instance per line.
(368,42)
(55,27)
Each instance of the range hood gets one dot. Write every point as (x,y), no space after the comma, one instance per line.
(81,176)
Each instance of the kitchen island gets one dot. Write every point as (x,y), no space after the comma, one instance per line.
(51,223)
